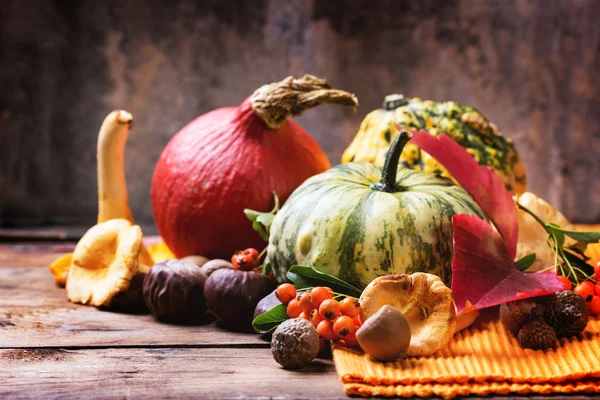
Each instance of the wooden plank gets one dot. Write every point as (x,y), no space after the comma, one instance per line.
(32,255)
(41,253)
(82,326)
(34,312)
(173,373)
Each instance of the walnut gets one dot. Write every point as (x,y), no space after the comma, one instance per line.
(295,343)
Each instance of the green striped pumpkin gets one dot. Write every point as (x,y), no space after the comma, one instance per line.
(357,221)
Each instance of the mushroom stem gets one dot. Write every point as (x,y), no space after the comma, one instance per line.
(112,188)
(113,201)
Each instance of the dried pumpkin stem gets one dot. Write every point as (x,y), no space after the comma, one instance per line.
(274,102)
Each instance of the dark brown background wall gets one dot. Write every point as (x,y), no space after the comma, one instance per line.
(533,67)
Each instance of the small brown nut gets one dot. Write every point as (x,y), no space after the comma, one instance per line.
(198,260)
(213,265)
(386,335)
(295,343)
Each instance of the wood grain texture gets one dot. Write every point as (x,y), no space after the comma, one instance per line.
(34,313)
(533,67)
(50,348)
(161,373)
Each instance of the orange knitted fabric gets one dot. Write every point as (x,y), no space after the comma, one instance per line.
(483,359)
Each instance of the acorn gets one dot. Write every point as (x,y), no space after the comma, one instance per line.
(537,335)
(567,313)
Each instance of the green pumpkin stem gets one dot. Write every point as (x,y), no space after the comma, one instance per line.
(393,101)
(390,168)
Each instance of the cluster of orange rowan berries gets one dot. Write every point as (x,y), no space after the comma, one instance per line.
(334,320)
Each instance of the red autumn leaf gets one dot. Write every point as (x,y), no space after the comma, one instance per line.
(479,181)
(483,272)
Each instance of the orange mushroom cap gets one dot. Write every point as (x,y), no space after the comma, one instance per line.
(104,262)
(425,301)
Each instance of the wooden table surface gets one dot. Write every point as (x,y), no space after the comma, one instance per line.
(51,348)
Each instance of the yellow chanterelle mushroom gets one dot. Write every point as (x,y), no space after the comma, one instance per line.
(425,301)
(104,262)
(113,201)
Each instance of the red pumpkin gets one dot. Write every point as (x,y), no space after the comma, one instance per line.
(231,159)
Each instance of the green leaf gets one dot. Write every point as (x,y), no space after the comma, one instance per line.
(525,262)
(262,221)
(586,237)
(258,227)
(307,276)
(560,238)
(271,319)
(265,219)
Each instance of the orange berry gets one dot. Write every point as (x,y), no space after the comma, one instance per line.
(318,295)
(329,309)
(565,281)
(304,302)
(343,325)
(304,315)
(351,340)
(315,317)
(285,293)
(325,330)
(293,309)
(350,307)
(594,305)
(586,290)
(357,322)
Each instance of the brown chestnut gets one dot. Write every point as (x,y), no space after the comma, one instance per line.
(213,265)
(173,290)
(232,295)
(198,260)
